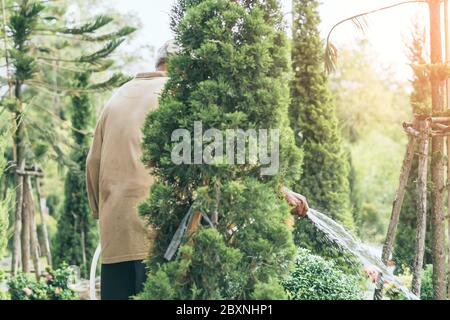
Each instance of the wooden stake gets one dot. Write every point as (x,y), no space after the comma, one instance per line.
(396,208)
(447,60)
(35,252)
(194,223)
(437,163)
(42,212)
(26,234)
(421,207)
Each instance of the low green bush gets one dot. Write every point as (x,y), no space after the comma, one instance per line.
(54,285)
(3,295)
(315,278)
(426,293)
(392,291)
(427,283)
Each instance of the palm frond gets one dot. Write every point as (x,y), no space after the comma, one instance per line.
(331,57)
(360,23)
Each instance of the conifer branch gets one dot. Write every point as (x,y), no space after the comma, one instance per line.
(115,81)
(89,27)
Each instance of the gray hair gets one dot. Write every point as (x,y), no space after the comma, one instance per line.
(169,48)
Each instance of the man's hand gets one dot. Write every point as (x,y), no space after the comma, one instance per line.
(296,200)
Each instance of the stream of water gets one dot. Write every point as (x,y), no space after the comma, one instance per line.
(346,241)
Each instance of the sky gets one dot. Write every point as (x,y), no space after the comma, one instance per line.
(387,31)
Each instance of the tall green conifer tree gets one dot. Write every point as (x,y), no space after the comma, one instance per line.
(232,73)
(325,170)
(77,238)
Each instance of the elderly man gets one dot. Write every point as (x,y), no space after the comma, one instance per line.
(117,182)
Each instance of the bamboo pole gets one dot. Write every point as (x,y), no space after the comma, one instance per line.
(437,162)
(440,119)
(396,208)
(421,207)
(34,242)
(26,228)
(447,60)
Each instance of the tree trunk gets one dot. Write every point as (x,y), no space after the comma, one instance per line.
(19,154)
(28,191)
(396,208)
(437,163)
(421,207)
(26,228)
(83,248)
(17,257)
(42,214)
(447,60)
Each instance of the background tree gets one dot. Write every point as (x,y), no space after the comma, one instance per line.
(77,238)
(325,174)
(404,247)
(36,38)
(371,102)
(231,73)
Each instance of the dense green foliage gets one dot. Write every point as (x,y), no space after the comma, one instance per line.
(231,73)
(426,292)
(315,278)
(54,286)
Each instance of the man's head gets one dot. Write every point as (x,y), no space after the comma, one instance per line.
(168,49)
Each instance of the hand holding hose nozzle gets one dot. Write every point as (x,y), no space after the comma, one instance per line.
(296,200)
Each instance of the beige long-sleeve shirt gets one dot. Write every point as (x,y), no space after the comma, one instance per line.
(117,181)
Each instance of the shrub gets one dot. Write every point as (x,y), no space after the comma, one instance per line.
(427,283)
(53,286)
(392,291)
(315,278)
(3,295)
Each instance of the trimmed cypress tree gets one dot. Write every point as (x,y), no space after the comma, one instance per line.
(76,237)
(231,74)
(325,170)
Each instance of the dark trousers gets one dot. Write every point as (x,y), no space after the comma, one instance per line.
(121,281)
